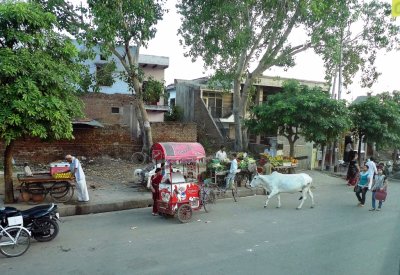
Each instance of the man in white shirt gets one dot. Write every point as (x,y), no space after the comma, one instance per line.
(270,151)
(76,169)
(221,154)
(232,170)
(371,171)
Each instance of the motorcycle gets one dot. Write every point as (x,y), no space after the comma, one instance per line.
(41,220)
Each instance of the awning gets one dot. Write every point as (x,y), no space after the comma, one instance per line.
(87,122)
(178,151)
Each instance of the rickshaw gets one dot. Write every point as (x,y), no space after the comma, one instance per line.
(180,192)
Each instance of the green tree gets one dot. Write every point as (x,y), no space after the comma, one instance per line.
(377,120)
(120,28)
(38,80)
(242,39)
(300,111)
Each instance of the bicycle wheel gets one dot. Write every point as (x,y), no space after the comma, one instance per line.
(15,241)
(138,158)
(207,202)
(235,194)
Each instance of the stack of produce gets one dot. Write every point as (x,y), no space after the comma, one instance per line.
(244,164)
(217,166)
(66,175)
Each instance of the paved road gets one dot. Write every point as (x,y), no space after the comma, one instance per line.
(336,237)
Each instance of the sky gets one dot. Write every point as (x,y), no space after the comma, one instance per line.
(309,66)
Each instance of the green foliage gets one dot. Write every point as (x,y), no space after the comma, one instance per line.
(242,39)
(38,75)
(378,119)
(104,74)
(152,90)
(301,110)
(354,48)
(176,114)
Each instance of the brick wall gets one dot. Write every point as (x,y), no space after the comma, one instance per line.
(173,131)
(98,106)
(114,141)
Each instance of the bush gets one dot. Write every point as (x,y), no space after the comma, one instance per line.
(176,114)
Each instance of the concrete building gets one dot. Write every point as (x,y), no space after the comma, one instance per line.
(212,111)
(112,104)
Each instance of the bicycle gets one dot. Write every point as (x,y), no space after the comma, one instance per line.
(220,192)
(207,197)
(140,157)
(233,187)
(15,239)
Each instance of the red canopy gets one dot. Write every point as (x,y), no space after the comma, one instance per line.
(178,151)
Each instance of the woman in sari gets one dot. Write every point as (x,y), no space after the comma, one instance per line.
(353,171)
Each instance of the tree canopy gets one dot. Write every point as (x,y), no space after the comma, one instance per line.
(300,110)
(377,120)
(39,79)
(242,39)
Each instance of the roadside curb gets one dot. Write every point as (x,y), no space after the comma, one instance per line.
(84,209)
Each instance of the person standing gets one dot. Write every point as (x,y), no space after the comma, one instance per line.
(27,170)
(221,154)
(380,183)
(371,171)
(267,168)
(155,184)
(347,152)
(362,186)
(352,171)
(271,152)
(76,169)
(232,170)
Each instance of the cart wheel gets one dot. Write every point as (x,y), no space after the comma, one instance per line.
(62,192)
(139,158)
(184,213)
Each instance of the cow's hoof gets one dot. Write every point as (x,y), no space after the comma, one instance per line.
(278,207)
(312,206)
(298,208)
(265,206)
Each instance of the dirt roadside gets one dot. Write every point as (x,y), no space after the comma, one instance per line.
(101,173)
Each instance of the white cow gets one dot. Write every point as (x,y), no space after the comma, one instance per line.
(277,183)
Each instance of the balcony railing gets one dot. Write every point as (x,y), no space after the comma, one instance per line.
(220,112)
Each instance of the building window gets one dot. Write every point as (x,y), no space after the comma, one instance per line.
(172,102)
(213,102)
(115,110)
(104,75)
(103,57)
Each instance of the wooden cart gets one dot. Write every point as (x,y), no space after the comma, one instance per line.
(34,189)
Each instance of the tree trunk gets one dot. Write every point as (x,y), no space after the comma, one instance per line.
(291,147)
(323,157)
(359,150)
(8,172)
(237,118)
(331,155)
(245,139)
(148,142)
